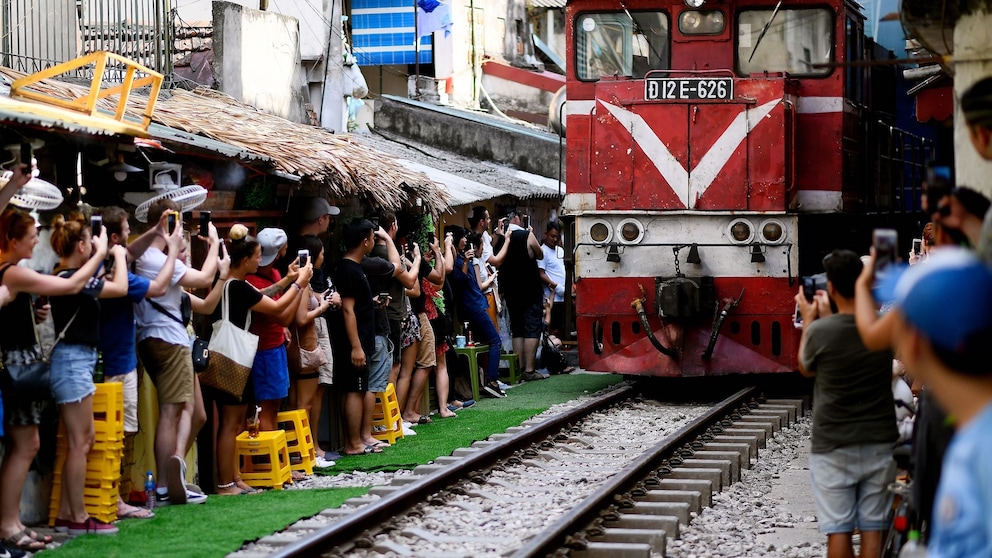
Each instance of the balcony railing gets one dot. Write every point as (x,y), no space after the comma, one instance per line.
(39,34)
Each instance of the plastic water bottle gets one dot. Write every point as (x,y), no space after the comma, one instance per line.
(913,547)
(150,491)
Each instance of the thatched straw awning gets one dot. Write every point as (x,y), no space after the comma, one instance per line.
(342,167)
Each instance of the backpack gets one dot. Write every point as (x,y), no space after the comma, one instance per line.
(551,356)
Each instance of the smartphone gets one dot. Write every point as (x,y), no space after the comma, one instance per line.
(172,221)
(204,223)
(375,222)
(26,153)
(41,301)
(304,255)
(469,246)
(430,237)
(526,221)
(797,320)
(187,217)
(886,244)
(506,224)
(917,246)
(96,224)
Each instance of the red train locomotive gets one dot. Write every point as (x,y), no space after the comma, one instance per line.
(715,151)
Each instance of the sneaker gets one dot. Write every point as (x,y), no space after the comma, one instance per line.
(175,479)
(492,389)
(320,462)
(62,525)
(502,386)
(407,431)
(532,376)
(92,526)
(379,428)
(162,499)
(468,403)
(11,552)
(195,497)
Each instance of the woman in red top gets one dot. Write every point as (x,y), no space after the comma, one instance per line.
(243,298)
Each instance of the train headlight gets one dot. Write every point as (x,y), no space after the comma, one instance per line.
(708,22)
(740,231)
(694,3)
(773,231)
(631,231)
(600,231)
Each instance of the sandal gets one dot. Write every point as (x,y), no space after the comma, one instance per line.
(134,512)
(24,541)
(368,449)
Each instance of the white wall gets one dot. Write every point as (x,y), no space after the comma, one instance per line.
(262,73)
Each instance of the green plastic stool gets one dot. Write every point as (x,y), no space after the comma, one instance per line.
(514,366)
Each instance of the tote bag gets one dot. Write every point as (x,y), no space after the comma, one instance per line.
(232,352)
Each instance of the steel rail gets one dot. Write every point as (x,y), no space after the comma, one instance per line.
(377,513)
(553,537)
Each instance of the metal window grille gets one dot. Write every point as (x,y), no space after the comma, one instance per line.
(38,34)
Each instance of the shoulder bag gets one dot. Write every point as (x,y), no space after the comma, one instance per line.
(232,352)
(27,372)
(198,347)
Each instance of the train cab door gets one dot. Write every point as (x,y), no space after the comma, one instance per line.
(639,151)
(718,156)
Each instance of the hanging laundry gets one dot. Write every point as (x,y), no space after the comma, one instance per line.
(432,16)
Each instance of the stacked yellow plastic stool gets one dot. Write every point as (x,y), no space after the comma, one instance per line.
(299,440)
(264,474)
(386,420)
(103,463)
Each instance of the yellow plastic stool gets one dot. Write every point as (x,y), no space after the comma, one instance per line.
(299,441)
(103,462)
(514,366)
(386,420)
(264,474)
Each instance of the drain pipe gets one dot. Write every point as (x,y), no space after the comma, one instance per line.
(638,304)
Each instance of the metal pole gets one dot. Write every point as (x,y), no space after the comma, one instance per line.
(416,53)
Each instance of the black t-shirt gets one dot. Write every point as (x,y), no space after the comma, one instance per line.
(519,277)
(379,272)
(240,297)
(350,281)
(418,303)
(85,328)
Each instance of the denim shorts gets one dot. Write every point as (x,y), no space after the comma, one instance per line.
(72,372)
(379,365)
(270,374)
(850,487)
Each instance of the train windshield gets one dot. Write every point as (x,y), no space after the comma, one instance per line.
(794,41)
(608,44)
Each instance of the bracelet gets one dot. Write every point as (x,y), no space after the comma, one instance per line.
(298,287)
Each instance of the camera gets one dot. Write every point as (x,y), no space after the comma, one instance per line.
(885,242)
(96,224)
(303,255)
(814,283)
(204,223)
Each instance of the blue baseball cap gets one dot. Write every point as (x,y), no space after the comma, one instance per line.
(947,298)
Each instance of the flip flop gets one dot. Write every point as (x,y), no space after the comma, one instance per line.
(23,541)
(134,512)
(424,419)
(368,449)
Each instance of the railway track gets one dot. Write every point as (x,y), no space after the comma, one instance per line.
(615,476)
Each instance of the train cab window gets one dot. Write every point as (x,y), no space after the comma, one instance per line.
(608,44)
(795,39)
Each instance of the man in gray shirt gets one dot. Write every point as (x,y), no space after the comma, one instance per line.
(854,423)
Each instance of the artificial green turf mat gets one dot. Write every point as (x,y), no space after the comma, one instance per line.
(222,524)
(215,528)
(478,422)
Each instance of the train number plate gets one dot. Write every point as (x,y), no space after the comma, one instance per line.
(689,89)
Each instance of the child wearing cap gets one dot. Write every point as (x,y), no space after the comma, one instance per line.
(942,331)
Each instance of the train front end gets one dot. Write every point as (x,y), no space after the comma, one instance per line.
(683,185)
